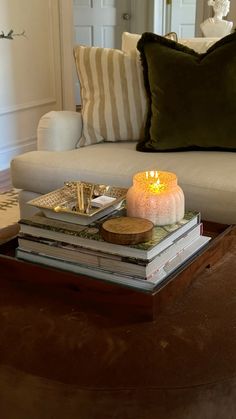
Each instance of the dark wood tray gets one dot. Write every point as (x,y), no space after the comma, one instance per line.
(115,299)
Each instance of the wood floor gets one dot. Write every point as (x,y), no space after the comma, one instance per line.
(5,180)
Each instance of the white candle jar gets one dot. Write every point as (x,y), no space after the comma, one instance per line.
(157,197)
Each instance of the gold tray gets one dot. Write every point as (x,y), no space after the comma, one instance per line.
(62,203)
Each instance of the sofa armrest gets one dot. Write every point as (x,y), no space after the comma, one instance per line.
(59,130)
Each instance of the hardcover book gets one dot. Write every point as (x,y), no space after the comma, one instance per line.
(107,261)
(162,274)
(89,236)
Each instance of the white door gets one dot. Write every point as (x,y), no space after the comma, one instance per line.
(182,17)
(100,23)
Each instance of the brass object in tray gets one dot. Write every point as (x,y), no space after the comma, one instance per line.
(75,199)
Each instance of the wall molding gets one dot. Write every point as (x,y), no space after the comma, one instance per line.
(22,146)
(54,70)
(21,109)
(27,105)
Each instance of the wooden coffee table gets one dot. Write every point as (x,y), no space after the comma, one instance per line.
(58,359)
(114,299)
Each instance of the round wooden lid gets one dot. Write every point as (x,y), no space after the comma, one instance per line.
(127,230)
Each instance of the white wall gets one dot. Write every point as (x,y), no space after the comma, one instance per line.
(30,76)
(142,16)
(232,12)
(203,11)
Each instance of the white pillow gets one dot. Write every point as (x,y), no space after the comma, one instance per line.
(114,103)
(200,45)
(129,41)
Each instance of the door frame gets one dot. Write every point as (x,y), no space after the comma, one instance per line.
(202,11)
(159,7)
(67,36)
(67,61)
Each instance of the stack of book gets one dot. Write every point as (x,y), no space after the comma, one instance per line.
(81,249)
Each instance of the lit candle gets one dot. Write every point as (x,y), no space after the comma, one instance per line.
(156,196)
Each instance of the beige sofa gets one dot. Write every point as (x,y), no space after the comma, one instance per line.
(207,178)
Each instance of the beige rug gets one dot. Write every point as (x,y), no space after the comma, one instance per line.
(9,215)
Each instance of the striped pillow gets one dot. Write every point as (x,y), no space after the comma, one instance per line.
(113,96)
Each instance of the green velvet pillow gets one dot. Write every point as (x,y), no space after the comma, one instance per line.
(192,97)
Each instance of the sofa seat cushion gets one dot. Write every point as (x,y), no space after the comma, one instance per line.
(208,178)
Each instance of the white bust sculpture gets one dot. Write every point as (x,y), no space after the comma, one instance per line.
(216,26)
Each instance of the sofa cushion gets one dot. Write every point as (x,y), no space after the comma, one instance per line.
(208,178)
(191,96)
(114,103)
